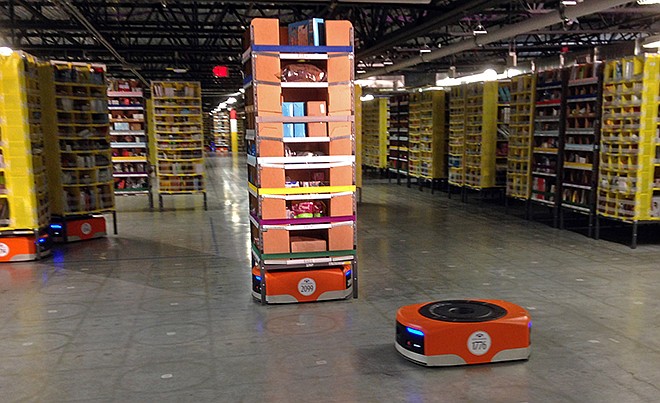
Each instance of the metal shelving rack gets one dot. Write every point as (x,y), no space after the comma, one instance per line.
(24,205)
(131,170)
(549,123)
(457,122)
(399,154)
(302,192)
(77,148)
(176,120)
(580,142)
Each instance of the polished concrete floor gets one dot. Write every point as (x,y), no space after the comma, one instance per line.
(162,312)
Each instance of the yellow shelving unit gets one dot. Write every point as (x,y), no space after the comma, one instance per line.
(503,131)
(457,135)
(24,207)
(629,170)
(128,132)
(176,118)
(78,147)
(375,121)
(481,135)
(221,133)
(428,136)
(521,126)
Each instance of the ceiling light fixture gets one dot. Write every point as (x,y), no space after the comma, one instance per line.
(367,97)
(647,2)
(479,30)
(388,62)
(569,2)
(425,49)
(6,51)
(651,42)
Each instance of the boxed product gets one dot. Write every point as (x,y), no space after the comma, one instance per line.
(299,128)
(121,126)
(317,129)
(287,110)
(307,33)
(307,244)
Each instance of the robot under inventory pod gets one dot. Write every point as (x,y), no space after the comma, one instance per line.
(460,332)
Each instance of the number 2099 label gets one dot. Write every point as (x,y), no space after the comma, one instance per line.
(307,286)
(479,343)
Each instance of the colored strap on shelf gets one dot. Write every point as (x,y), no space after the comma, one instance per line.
(301,49)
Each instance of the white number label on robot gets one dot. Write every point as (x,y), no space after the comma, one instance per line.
(479,343)
(307,286)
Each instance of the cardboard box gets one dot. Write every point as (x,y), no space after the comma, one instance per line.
(341,237)
(338,33)
(341,147)
(340,69)
(266,68)
(275,241)
(340,99)
(307,33)
(317,129)
(265,31)
(306,244)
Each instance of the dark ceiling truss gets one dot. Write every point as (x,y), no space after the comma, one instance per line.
(154,36)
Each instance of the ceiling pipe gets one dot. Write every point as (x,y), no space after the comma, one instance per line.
(423,27)
(506,32)
(75,13)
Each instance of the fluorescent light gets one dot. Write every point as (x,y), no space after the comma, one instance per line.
(651,42)
(367,97)
(179,70)
(5,51)
(388,62)
(361,71)
(647,2)
(569,2)
(231,101)
(241,90)
(425,49)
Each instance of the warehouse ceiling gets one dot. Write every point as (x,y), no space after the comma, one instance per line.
(153,39)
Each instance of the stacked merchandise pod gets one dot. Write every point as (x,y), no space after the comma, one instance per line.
(549,121)
(399,139)
(176,113)
(629,170)
(428,136)
(78,152)
(456,159)
(240,131)
(503,132)
(129,144)
(481,135)
(221,133)
(521,125)
(375,121)
(301,162)
(24,206)
(580,139)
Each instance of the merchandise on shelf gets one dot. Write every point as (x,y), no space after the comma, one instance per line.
(24,203)
(398,158)
(179,142)
(549,117)
(457,121)
(581,136)
(428,158)
(521,126)
(481,136)
(375,121)
(77,140)
(301,165)
(503,131)
(129,140)
(629,170)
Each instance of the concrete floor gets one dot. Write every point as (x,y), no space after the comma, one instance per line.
(163,312)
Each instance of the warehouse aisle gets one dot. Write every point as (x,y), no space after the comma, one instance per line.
(163,312)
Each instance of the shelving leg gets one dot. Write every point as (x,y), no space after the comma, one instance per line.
(114,222)
(151,201)
(36,243)
(590,228)
(262,272)
(205,202)
(561,219)
(633,242)
(160,202)
(555,217)
(597,229)
(355,278)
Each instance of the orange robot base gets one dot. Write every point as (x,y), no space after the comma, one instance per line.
(309,285)
(21,248)
(78,229)
(463,332)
